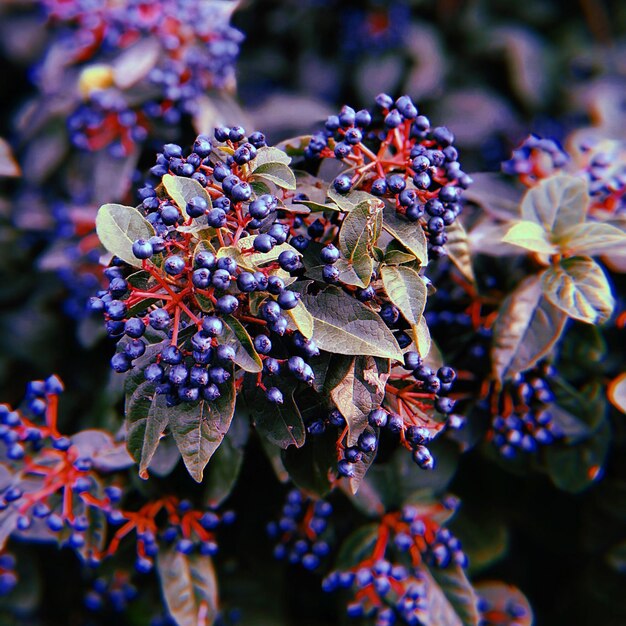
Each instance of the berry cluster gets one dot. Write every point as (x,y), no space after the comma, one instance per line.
(399,156)
(8,577)
(171,522)
(57,490)
(195,296)
(300,530)
(392,593)
(536,158)
(388,593)
(407,412)
(412,403)
(522,420)
(197,49)
(115,592)
(75,256)
(107,122)
(602,164)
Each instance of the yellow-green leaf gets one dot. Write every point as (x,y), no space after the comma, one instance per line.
(530,236)
(407,291)
(556,203)
(591,238)
(526,329)
(579,287)
(118,227)
(182,189)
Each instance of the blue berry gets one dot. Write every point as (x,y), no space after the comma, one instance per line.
(329,254)
(142,249)
(274,395)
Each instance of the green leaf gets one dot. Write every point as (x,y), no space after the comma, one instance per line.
(189,586)
(530,236)
(223,471)
(485,539)
(397,257)
(525,331)
(591,238)
(279,423)
(423,342)
(357,547)
(556,203)
(268,154)
(182,189)
(347,275)
(397,482)
(407,291)
(238,338)
(579,411)
(302,319)
(294,146)
(359,232)
(573,468)
(273,165)
(343,325)
(199,427)
(146,420)
(409,234)
(250,259)
(359,392)
(459,250)
(118,227)
(616,557)
(277,173)
(459,592)
(579,287)
(311,466)
(348,202)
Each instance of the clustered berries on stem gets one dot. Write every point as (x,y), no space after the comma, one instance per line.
(397,155)
(521,413)
(60,488)
(194,50)
(301,530)
(195,292)
(384,587)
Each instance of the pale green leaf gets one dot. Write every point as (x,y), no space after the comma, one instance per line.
(182,189)
(343,325)
(277,173)
(409,234)
(525,331)
(250,259)
(359,232)
(347,202)
(591,238)
(235,335)
(459,250)
(189,586)
(556,203)
(530,236)
(579,287)
(302,319)
(118,227)
(407,291)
